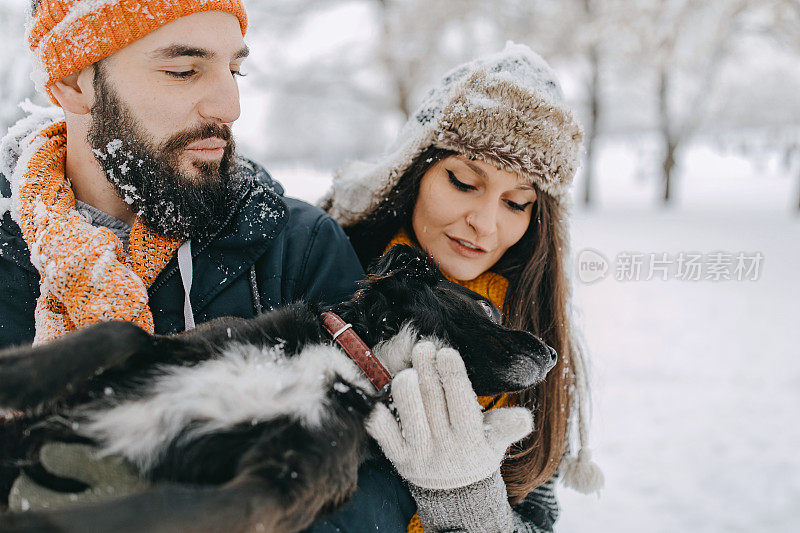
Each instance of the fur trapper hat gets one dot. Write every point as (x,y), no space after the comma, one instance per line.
(506,109)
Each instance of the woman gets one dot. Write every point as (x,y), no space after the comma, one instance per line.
(479,178)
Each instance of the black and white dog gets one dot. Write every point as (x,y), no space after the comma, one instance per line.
(242,424)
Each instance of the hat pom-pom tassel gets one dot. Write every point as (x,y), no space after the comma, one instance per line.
(581,473)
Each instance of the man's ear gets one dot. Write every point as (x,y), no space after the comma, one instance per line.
(75,92)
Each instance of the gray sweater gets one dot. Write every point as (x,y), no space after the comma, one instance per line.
(101,219)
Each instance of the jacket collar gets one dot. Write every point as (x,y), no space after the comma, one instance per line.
(12,244)
(260,214)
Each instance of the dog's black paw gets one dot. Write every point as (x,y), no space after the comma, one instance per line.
(317,464)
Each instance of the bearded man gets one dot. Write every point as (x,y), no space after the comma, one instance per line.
(129,202)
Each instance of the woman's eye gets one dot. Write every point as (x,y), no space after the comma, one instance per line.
(514,206)
(238,73)
(460,185)
(183,74)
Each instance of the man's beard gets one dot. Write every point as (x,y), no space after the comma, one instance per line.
(150,179)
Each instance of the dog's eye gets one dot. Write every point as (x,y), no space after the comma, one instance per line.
(492,312)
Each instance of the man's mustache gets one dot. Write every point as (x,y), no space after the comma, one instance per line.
(182,139)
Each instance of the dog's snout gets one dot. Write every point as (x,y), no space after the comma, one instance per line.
(550,358)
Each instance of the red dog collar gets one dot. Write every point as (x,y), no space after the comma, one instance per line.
(358,351)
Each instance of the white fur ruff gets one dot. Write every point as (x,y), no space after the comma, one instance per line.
(245,384)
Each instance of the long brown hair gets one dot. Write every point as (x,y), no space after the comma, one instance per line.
(536,301)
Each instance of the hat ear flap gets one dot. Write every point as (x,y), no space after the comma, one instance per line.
(406,263)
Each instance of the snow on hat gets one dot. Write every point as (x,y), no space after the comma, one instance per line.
(506,109)
(68,35)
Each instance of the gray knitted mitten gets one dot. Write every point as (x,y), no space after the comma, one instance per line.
(444,446)
(107,477)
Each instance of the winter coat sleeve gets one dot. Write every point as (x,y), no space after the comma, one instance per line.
(538,511)
(17,304)
(329,270)
(19,286)
(381,503)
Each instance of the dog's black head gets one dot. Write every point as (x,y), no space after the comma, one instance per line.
(405,285)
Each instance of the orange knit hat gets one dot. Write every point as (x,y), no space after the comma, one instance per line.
(68,35)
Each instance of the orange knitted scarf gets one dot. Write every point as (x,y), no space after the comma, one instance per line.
(85,277)
(494,287)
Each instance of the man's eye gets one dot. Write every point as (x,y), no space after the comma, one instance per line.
(238,73)
(183,74)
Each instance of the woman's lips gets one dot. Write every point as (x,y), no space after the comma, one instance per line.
(464,250)
(212,148)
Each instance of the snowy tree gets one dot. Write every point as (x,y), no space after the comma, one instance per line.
(15,83)
(348,98)
(686,44)
(587,34)
(331,80)
(568,31)
(782,23)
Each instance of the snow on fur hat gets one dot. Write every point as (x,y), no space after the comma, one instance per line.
(68,35)
(506,109)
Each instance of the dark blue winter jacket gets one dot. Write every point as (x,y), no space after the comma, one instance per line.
(285,248)
(271,251)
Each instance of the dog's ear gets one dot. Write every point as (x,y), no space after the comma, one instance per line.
(406,262)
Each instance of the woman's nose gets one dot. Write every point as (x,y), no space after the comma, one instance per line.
(483,219)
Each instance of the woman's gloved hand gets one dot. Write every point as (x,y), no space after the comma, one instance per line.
(107,477)
(443,440)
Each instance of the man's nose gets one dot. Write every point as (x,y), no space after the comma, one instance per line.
(220,102)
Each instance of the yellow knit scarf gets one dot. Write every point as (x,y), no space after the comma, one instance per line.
(494,287)
(85,276)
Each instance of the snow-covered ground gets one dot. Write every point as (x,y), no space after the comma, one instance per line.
(696,383)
